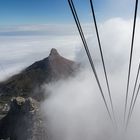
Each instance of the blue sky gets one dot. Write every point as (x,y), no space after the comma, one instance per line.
(57,11)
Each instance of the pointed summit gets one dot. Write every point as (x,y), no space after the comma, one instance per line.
(51,68)
(54,53)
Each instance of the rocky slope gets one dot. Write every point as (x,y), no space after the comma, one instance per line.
(50,69)
(23,121)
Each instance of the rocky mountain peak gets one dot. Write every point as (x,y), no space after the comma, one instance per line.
(51,68)
(23,121)
(22,104)
(54,53)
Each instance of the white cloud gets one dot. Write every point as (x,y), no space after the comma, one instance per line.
(40,29)
(21,49)
(17,52)
(76,110)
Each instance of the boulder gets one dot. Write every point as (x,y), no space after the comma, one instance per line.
(23,121)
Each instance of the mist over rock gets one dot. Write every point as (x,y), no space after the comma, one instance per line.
(22,118)
(28,82)
(23,121)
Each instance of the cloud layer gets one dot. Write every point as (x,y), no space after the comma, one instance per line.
(76,111)
(17,52)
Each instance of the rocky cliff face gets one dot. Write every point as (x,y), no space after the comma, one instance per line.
(23,121)
(50,69)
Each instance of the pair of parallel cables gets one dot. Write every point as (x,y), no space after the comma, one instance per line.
(74,13)
(134,97)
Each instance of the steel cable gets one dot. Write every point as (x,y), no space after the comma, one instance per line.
(133,95)
(74,13)
(130,60)
(102,58)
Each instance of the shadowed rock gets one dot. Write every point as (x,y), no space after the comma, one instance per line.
(28,82)
(23,121)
